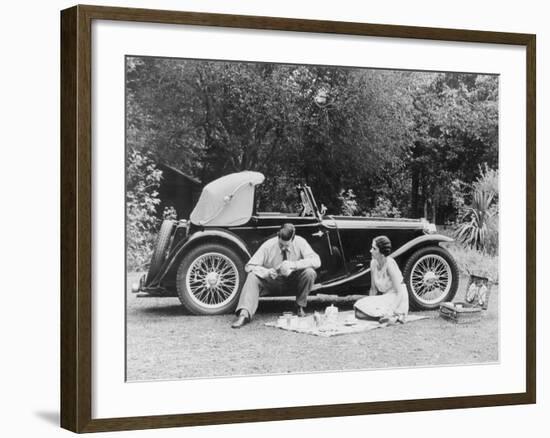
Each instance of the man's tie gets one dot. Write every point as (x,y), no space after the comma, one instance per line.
(284,254)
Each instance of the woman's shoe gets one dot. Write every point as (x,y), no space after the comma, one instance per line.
(388,319)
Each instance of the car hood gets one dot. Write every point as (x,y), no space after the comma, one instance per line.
(353,222)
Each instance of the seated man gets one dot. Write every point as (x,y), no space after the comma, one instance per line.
(286,262)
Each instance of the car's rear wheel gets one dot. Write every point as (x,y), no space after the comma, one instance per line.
(161,247)
(209,280)
(431,276)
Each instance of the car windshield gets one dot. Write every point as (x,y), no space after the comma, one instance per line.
(307,209)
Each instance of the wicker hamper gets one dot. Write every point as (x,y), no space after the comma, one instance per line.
(475,304)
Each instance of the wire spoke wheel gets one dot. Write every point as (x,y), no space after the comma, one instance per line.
(432,277)
(209,279)
(212,280)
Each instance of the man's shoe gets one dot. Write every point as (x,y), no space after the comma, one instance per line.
(240,321)
(300,311)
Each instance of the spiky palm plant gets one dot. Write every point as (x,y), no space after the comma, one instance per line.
(478,220)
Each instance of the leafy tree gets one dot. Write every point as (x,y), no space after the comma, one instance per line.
(456,128)
(163,112)
(398,136)
(143,179)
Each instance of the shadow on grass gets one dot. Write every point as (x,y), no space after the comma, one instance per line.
(173,310)
(267,305)
(270,305)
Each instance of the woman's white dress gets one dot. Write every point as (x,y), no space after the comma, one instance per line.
(391,302)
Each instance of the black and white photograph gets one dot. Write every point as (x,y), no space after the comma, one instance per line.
(272,219)
(287,218)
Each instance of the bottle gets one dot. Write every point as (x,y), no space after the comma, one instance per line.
(317,318)
(331,313)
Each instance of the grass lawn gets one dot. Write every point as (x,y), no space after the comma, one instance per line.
(165,342)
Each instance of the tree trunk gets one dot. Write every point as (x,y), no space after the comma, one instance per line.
(414,191)
(425,208)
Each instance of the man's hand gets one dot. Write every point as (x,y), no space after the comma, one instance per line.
(272,273)
(262,272)
(286,268)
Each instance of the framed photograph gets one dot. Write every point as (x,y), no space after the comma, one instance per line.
(269,218)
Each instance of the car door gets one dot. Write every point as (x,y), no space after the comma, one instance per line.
(325,242)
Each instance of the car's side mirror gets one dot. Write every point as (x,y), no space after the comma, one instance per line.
(323,209)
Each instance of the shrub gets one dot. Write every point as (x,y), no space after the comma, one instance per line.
(472,262)
(143,180)
(348,202)
(478,221)
(474,227)
(458,190)
(487,181)
(491,238)
(383,208)
(170,213)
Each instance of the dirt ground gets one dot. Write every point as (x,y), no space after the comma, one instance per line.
(165,342)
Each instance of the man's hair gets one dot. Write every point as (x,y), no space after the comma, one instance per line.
(287,232)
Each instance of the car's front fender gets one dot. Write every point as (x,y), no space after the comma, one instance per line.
(412,245)
(419,242)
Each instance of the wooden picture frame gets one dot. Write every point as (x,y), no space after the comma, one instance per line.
(76,218)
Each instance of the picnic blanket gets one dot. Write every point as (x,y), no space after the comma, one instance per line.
(345,323)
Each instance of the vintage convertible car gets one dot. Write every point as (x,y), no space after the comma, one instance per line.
(201,260)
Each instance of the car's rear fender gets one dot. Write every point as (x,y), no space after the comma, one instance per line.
(201,237)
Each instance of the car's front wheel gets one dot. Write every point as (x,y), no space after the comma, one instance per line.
(431,276)
(209,280)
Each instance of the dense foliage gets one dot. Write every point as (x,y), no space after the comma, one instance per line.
(478,220)
(375,142)
(142,179)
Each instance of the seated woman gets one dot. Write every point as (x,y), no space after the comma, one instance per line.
(386,278)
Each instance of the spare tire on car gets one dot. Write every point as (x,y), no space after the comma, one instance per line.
(161,248)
